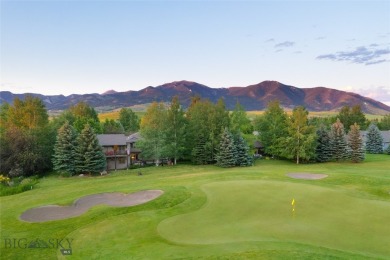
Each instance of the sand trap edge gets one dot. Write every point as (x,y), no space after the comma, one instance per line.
(82,205)
(306,176)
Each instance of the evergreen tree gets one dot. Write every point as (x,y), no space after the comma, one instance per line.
(387,151)
(65,150)
(89,154)
(227,152)
(355,143)
(323,150)
(374,140)
(338,142)
(242,151)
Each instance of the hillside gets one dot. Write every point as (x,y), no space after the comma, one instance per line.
(253,97)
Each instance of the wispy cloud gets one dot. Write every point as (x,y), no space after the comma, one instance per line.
(379,93)
(361,55)
(284,44)
(270,40)
(321,38)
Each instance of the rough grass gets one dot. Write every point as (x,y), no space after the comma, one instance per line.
(239,213)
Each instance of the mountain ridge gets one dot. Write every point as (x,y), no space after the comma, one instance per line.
(252,97)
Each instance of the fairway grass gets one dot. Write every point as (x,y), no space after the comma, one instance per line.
(239,211)
(208,212)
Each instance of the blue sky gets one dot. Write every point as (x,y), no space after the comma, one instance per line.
(65,47)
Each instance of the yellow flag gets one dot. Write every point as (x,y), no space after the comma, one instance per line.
(293,202)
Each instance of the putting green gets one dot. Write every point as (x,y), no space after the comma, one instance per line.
(238,211)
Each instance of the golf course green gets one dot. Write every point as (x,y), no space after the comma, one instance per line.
(208,212)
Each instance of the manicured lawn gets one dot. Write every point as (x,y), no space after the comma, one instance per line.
(212,213)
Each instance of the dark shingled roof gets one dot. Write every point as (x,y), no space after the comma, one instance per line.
(111,139)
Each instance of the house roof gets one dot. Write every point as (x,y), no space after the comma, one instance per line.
(111,139)
(257,144)
(133,138)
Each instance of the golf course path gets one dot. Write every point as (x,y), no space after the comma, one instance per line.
(80,206)
(306,176)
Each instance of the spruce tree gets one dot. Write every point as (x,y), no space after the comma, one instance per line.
(338,142)
(374,140)
(65,150)
(242,152)
(355,143)
(387,151)
(323,150)
(90,157)
(227,151)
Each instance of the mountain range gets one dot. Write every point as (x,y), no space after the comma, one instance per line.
(253,97)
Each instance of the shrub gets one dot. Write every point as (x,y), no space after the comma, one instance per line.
(19,185)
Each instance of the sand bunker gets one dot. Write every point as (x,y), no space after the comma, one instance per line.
(80,206)
(306,176)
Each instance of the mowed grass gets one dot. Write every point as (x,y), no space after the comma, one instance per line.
(212,213)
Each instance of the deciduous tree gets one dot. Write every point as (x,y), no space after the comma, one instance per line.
(129,120)
(174,136)
(272,126)
(240,122)
(152,132)
(300,143)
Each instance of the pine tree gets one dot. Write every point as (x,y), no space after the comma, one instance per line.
(242,152)
(338,142)
(65,150)
(90,157)
(227,152)
(355,143)
(323,150)
(387,151)
(374,141)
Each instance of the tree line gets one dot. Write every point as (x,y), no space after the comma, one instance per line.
(301,138)
(205,133)
(29,139)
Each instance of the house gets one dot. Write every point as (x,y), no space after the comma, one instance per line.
(385,136)
(120,150)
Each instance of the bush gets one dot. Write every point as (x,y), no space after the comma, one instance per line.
(18,185)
